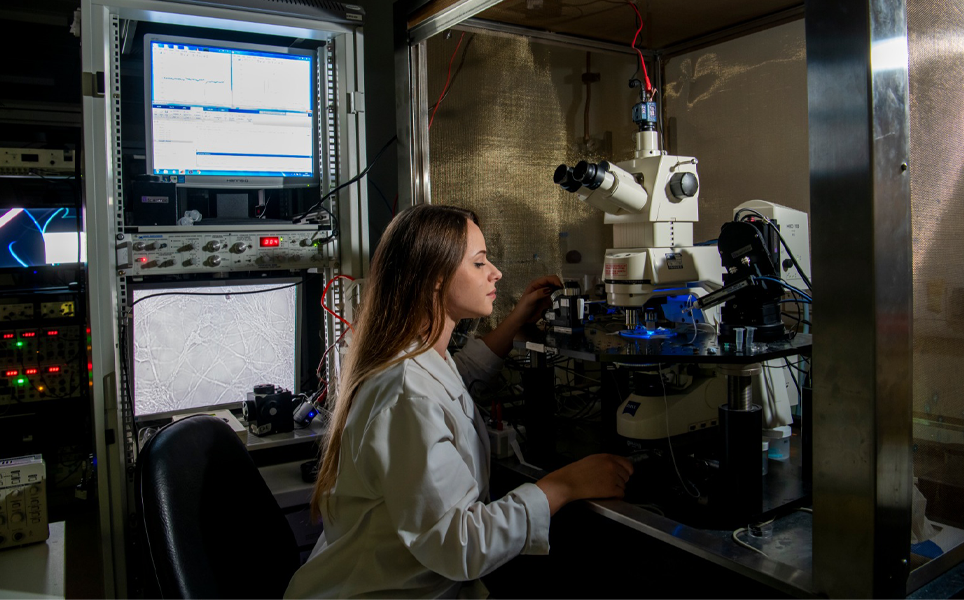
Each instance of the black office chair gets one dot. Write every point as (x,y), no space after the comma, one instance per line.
(212,527)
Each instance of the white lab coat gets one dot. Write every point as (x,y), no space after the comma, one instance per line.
(408,512)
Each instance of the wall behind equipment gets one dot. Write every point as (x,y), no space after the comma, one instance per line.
(740,107)
(514,110)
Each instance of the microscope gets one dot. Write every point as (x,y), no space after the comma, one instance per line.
(660,279)
(653,273)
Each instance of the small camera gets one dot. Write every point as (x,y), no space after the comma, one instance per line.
(269,409)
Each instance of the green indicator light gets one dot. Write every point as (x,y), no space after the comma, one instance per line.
(19,344)
(21,381)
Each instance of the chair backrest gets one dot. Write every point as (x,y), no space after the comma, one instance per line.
(212,527)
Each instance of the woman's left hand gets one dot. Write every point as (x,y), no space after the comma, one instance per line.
(535,299)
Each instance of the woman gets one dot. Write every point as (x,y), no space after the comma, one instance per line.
(403,485)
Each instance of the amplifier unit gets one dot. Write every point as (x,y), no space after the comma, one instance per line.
(23,501)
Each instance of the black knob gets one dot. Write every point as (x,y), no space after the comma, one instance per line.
(684,185)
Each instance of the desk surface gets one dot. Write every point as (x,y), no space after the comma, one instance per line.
(35,570)
(787,565)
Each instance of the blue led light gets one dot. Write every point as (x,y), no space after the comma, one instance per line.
(645,334)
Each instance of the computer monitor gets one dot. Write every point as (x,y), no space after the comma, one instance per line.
(230,115)
(198,351)
(33,237)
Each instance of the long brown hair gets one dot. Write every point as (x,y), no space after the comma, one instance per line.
(402,304)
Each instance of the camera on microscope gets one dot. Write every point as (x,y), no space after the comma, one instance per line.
(269,409)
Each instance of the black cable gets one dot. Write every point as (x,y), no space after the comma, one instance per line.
(797,319)
(793,259)
(282,287)
(372,183)
(790,371)
(455,75)
(346,184)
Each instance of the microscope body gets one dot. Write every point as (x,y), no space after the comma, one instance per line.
(652,202)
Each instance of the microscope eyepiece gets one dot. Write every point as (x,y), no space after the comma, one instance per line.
(590,174)
(563,176)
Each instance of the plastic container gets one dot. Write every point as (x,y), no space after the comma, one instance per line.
(779,438)
(766,465)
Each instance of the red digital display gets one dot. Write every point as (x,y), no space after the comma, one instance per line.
(270,242)
(29,334)
(30,371)
(11,373)
(52,332)
(8,336)
(53,369)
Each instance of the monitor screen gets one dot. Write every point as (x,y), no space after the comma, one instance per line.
(32,237)
(196,351)
(229,114)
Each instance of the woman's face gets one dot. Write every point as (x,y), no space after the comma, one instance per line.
(473,287)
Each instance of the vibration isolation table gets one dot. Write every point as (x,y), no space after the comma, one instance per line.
(782,560)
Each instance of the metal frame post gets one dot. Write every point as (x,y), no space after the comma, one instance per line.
(861,230)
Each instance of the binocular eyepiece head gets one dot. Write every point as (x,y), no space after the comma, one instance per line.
(583,174)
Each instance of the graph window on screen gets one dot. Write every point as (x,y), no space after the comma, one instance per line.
(221,110)
(194,351)
(33,237)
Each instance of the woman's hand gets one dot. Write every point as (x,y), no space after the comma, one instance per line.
(596,476)
(535,299)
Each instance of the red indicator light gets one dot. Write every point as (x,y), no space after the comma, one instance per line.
(142,259)
(11,373)
(8,336)
(90,366)
(30,372)
(53,369)
(270,242)
(52,332)
(29,334)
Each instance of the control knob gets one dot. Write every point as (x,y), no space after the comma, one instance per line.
(239,247)
(214,261)
(684,185)
(139,246)
(213,246)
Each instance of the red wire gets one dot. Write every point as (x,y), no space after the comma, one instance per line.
(325,293)
(649,86)
(321,363)
(447,78)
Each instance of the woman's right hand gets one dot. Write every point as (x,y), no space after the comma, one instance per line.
(596,476)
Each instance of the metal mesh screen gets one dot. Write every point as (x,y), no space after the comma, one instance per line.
(936,58)
(514,110)
(740,107)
